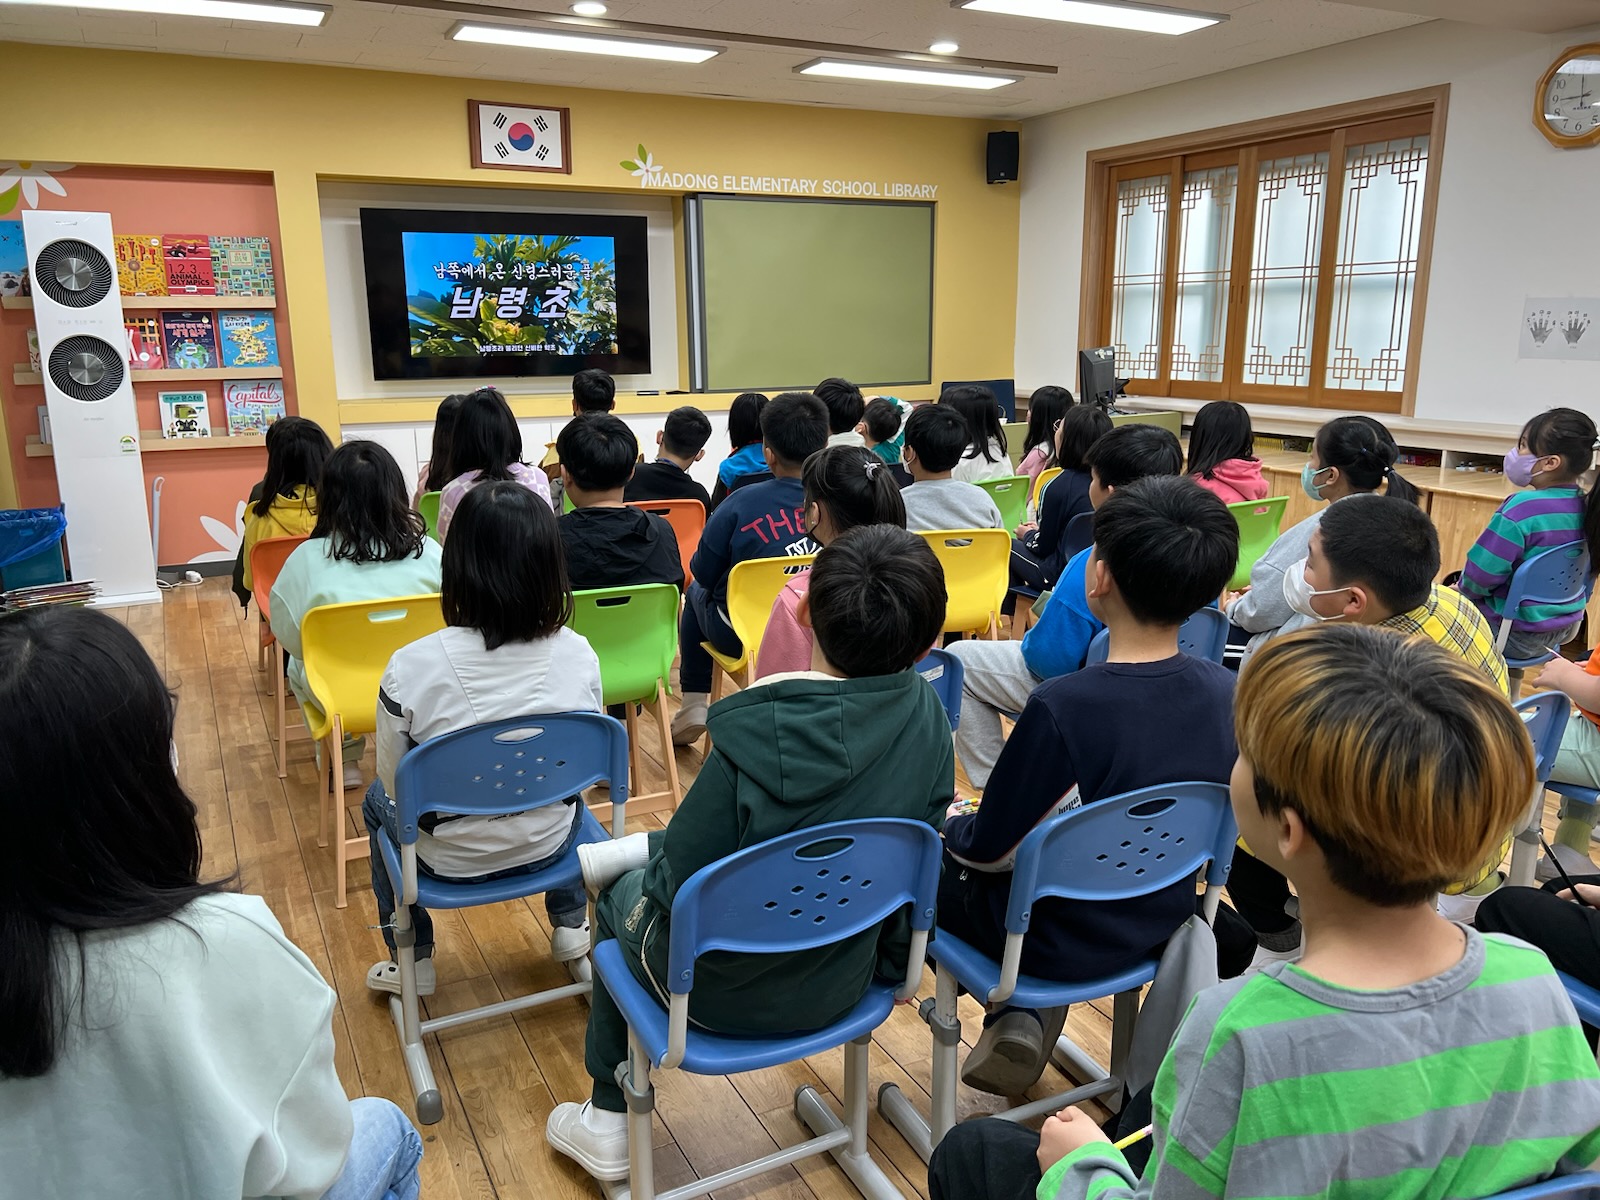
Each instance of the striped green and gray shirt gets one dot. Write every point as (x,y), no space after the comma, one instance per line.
(1279,1084)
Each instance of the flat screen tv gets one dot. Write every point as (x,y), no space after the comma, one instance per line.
(453,294)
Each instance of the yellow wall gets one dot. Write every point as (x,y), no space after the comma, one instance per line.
(305,123)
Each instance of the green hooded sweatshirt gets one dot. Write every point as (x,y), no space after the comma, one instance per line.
(801,751)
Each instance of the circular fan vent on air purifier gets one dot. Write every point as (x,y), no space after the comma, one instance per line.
(73,273)
(87,368)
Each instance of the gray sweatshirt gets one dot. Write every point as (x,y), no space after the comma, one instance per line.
(1263,609)
(949,504)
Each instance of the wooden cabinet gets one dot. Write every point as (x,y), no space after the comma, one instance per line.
(1284,481)
(1459,520)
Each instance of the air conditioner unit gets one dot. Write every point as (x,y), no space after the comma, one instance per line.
(94,425)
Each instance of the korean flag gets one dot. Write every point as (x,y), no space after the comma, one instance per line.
(518,137)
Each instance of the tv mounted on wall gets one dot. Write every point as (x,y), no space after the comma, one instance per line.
(471,294)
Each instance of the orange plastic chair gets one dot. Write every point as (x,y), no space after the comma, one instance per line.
(688,521)
(266,559)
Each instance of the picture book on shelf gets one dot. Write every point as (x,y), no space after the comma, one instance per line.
(252,404)
(145,352)
(242,266)
(45,436)
(188,258)
(184,415)
(190,339)
(33,351)
(248,338)
(141,271)
(13,260)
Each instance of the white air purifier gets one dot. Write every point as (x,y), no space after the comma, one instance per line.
(95,426)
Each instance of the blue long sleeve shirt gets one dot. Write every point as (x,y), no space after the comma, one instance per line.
(1058,643)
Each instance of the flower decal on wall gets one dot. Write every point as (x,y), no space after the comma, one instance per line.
(24,180)
(644,167)
(228,539)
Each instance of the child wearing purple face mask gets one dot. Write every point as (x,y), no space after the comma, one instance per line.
(1553,452)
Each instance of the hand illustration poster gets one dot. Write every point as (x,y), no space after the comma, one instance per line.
(1560,327)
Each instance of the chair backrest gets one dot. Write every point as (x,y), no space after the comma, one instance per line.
(688,521)
(633,632)
(1203,635)
(944,673)
(428,506)
(1585,1184)
(1010,496)
(347,647)
(1016,434)
(1259,522)
(1544,715)
(1584,998)
(1043,482)
(1559,576)
(805,889)
(753,585)
(510,766)
(1124,846)
(977,565)
(1078,537)
(266,559)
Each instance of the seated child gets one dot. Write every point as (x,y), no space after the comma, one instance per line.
(763,520)
(435,473)
(985,456)
(936,438)
(1046,407)
(1577,761)
(1162,549)
(680,444)
(486,444)
(505,652)
(880,427)
(1000,676)
(845,487)
(607,543)
(845,405)
(858,735)
(1404,1056)
(745,464)
(593,391)
(287,504)
(1222,453)
(1553,453)
(1041,551)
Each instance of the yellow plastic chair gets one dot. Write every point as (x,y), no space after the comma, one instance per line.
(1259,522)
(347,647)
(1010,496)
(1043,482)
(428,506)
(976,566)
(753,586)
(634,633)
(266,559)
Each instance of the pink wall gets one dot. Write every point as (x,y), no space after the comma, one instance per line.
(203,489)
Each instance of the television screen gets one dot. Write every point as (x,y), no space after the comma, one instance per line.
(453,293)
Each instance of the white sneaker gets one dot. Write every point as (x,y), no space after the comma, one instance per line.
(593,1138)
(385,977)
(353,779)
(567,944)
(689,723)
(1463,909)
(1573,862)
(603,863)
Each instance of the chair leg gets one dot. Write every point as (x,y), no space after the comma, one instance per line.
(893,1104)
(1020,617)
(322,800)
(336,808)
(669,752)
(262,642)
(408,1021)
(635,757)
(280,701)
(852,1156)
(641,1097)
(1525,848)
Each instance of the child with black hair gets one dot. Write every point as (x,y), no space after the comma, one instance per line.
(1046,407)
(857,735)
(608,543)
(985,456)
(745,464)
(936,438)
(1222,453)
(435,473)
(846,487)
(845,406)
(1041,551)
(287,502)
(505,651)
(1162,549)
(593,391)
(486,444)
(680,444)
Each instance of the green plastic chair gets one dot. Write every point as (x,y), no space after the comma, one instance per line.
(1010,496)
(1259,522)
(634,633)
(1016,434)
(428,506)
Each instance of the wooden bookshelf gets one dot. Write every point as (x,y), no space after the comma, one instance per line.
(168,302)
(22,377)
(153,443)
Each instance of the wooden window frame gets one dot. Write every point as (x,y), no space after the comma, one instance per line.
(1375,119)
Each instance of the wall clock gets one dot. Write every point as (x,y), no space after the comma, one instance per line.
(1566,105)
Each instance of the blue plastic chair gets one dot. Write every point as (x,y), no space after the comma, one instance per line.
(1560,575)
(1113,849)
(944,671)
(807,889)
(1203,635)
(1078,537)
(1584,1185)
(496,768)
(1544,715)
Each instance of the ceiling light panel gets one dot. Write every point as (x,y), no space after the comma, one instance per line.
(883,73)
(580,43)
(224,10)
(1142,18)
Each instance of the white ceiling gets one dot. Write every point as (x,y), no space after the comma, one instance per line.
(1092,64)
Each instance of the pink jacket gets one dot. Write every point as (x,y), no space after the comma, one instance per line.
(1033,464)
(786,646)
(1235,480)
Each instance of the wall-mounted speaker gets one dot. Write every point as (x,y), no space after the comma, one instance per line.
(1004,151)
(94,425)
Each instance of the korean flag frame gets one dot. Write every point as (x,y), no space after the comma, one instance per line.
(488,122)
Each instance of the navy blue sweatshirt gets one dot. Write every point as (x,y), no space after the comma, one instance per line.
(1065,498)
(1108,729)
(763,520)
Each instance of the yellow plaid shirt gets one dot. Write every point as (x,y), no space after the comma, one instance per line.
(1449,618)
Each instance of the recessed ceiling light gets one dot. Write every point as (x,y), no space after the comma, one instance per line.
(579,43)
(226,10)
(1144,18)
(589,8)
(882,73)
(943,48)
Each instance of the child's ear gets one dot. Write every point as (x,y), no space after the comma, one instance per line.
(1293,840)
(699,456)
(660,433)
(802,611)
(770,458)
(566,479)
(1100,580)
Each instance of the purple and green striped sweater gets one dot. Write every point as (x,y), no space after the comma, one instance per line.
(1520,528)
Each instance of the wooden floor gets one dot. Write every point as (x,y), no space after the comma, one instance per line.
(499,1078)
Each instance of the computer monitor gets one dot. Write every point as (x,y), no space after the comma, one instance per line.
(1005,391)
(1097,377)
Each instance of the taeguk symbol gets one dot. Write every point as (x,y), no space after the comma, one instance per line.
(520,136)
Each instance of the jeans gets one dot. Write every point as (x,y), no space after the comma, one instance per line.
(701,622)
(384,1153)
(565,906)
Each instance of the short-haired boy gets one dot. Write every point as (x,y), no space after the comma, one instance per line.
(881,421)
(845,403)
(936,438)
(680,444)
(1149,714)
(858,735)
(1404,1056)
(759,520)
(593,391)
(607,543)
(1000,676)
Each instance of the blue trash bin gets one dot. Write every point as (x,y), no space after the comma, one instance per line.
(30,547)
